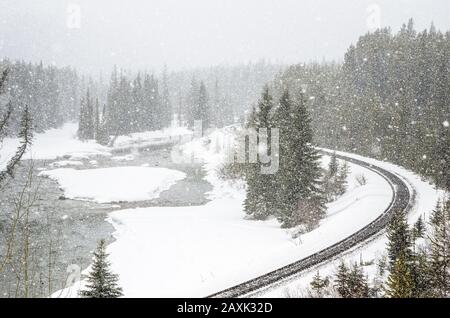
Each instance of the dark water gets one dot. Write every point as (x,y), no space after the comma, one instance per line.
(74,227)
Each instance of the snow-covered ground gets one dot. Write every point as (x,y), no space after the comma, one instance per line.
(53,144)
(425,199)
(63,143)
(197,250)
(114,184)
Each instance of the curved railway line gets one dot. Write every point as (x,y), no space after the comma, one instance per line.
(401,200)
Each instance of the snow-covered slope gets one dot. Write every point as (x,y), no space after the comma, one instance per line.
(63,143)
(425,198)
(52,144)
(198,250)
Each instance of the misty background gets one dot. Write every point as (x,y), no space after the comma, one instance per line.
(136,34)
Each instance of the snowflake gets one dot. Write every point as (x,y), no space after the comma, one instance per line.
(424,157)
(446,123)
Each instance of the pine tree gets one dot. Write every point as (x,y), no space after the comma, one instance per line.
(319,284)
(357,283)
(333,166)
(102,136)
(202,112)
(259,201)
(86,126)
(351,283)
(341,281)
(82,121)
(149,104)
(400,282)
(330,182)
(101,282)
(136,105)
(420,271)
(299,198)
(341,179)
(166,106)
(96,119)
(399,239)
(191,113)
(419,229)
(440,250)
(441,156)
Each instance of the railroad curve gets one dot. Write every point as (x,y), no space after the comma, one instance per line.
(401,201)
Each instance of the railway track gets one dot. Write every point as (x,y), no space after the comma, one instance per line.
(400,202)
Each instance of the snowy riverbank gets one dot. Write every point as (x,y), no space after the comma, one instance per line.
(197,250)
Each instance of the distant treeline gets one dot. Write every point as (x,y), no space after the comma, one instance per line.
(51,93)
(390,99)
(135,102)
(218,95)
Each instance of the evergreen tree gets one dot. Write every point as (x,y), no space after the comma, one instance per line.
(259,201)
(149,103)
(333,166)
(341,179)
(420,271)
(136,106)
(97,122)
(202,112)
(86,126)
(82,122)
(166,106)
(319,284)
(388,100)
(101,282)
(102,136)
(192,103)
(299,198)
(439,239)
(357,283)
(400,283)
(441,157)
(351,283)
(399,243)
(335,179)
(341,281)
(419,229)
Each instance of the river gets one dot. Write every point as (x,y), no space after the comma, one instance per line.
(73,227)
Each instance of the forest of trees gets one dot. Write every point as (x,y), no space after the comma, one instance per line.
(136,105)
(143,102)
(390,99)
(217,95)
(294,194)
(52,94)
(415,265)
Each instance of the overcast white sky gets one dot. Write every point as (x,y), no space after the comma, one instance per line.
(188,33)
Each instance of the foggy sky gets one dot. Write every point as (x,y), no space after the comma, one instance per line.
(146,34)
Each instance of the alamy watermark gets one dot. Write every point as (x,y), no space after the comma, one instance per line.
(246,145)
(373,20)
(73,20)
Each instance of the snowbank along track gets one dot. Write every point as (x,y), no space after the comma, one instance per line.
(400,202)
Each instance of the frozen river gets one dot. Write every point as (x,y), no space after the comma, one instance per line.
(72,226)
